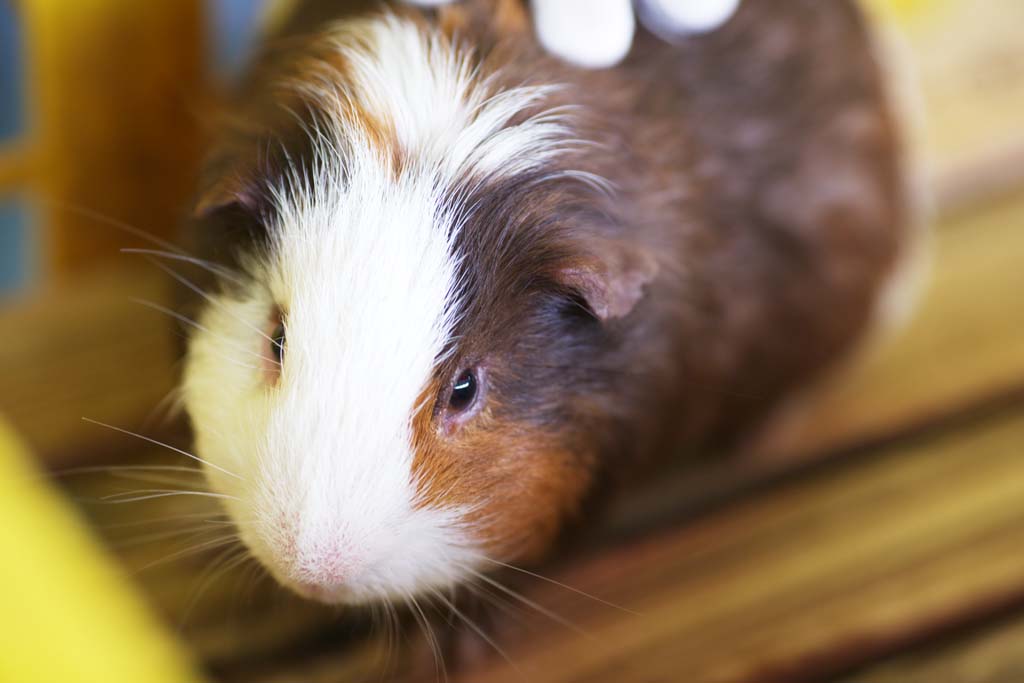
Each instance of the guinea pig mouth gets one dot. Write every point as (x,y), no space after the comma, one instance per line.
(328,595)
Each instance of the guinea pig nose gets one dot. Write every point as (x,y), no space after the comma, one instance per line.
(322,572)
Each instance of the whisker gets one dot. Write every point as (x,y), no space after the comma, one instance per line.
(258,576)
(114,223)
(561,585)
(554,616)
(175,518)
(227,560)
(213,301)
(496,600)
(393,636)
(440,670)
(152,478)
(192,532)
(192,323)
(114,469)
(245,573)
(164,445)
(209,266)
(476,629)
(152,494)
(170,405)
(223,540)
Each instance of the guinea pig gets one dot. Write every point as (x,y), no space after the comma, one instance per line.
(471,286)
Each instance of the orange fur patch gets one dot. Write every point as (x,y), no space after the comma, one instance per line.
(518,484)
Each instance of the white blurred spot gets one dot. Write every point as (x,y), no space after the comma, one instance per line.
(588,33)
(685,17)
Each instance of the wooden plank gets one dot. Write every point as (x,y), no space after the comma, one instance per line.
(115,109)
(993,655)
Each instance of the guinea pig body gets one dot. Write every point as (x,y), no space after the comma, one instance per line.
(474,282)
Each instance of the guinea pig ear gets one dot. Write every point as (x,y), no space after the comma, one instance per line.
(230,191)
(611,277)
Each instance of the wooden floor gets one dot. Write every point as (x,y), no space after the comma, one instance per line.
(876,535)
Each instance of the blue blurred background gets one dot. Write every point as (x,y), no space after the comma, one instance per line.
(15,242)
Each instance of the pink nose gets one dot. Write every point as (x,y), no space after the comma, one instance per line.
(322,573)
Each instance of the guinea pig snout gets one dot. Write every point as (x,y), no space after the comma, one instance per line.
(325,570)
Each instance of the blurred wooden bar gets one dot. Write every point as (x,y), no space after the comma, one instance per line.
(115,97)
(992,654)
(14,168)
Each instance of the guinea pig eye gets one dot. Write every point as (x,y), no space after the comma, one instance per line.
(273,354)
(464,391)
(463,399)
(277,341)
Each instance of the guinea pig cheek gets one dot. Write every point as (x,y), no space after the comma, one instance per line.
(513,486)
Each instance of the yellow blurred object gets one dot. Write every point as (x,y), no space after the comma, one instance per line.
(67,613)
(904,9)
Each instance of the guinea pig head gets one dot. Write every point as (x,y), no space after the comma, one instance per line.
(402,386)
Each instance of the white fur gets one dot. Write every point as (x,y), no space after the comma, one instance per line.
(364,267)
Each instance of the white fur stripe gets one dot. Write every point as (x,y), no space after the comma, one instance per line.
(363,265)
